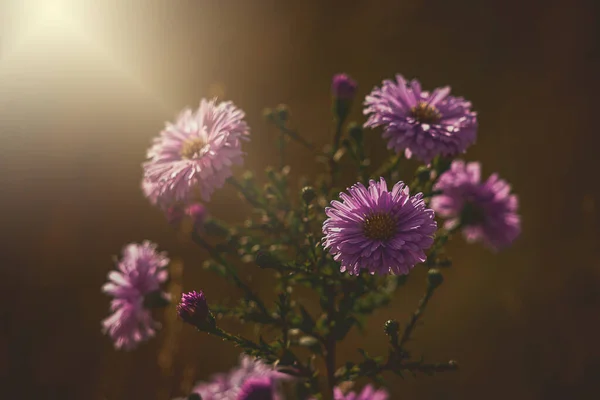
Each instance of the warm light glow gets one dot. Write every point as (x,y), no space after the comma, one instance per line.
(41,18)
(50,33)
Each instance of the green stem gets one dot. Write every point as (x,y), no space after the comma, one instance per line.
(295,136)
(281,150)
(250,198)
(415,317)
(232,272)
(440,241)
(336,146)
(330,344)
(387,167)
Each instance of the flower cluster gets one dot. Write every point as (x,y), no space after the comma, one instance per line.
(353,252)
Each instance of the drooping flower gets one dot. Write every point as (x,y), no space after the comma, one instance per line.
(229,385)
(343,87)
(368,393)
(139,275)
(378,230)
(195,154)
(486,211)
(420,123)
(193,308)
(197,212)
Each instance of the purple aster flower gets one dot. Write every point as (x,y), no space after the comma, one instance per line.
(343,87)
(486,211)
(193,308)
(195,154)
(368,393)
(378,230)
(129,324)
(140,272)
(150,190)
(229,385)
(422,124)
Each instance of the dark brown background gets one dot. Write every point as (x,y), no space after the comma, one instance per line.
(79,106)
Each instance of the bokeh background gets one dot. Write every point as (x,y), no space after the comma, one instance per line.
(85,85)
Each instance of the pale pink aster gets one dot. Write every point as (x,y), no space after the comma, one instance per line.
(150,190)
(228,386)
(381,231)
(194,155)
(420,123)
(140,272)
(486,211)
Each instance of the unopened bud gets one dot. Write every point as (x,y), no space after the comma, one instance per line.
(283,112)
(193,309)
(391,327)
(434,278)
(308,194)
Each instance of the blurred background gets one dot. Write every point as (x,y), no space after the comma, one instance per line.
(85,85)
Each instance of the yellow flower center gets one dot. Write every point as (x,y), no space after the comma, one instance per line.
(193,148)
(425,113)
(380,226)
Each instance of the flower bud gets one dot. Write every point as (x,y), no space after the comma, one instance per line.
(308,194)
(197,212)
(343,87)
(193,309)
(434,278)
(391,327)
(355,131)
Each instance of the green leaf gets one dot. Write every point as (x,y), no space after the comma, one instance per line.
(342,328)
(307,323)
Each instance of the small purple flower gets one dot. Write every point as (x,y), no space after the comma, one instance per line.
(229,385)
(422,124)
(378,230)
(343,87)
(195,154)
(129,324)
(140,272)
(486,211)
(258,389)
(193,308)
(197,212)
(368,393)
